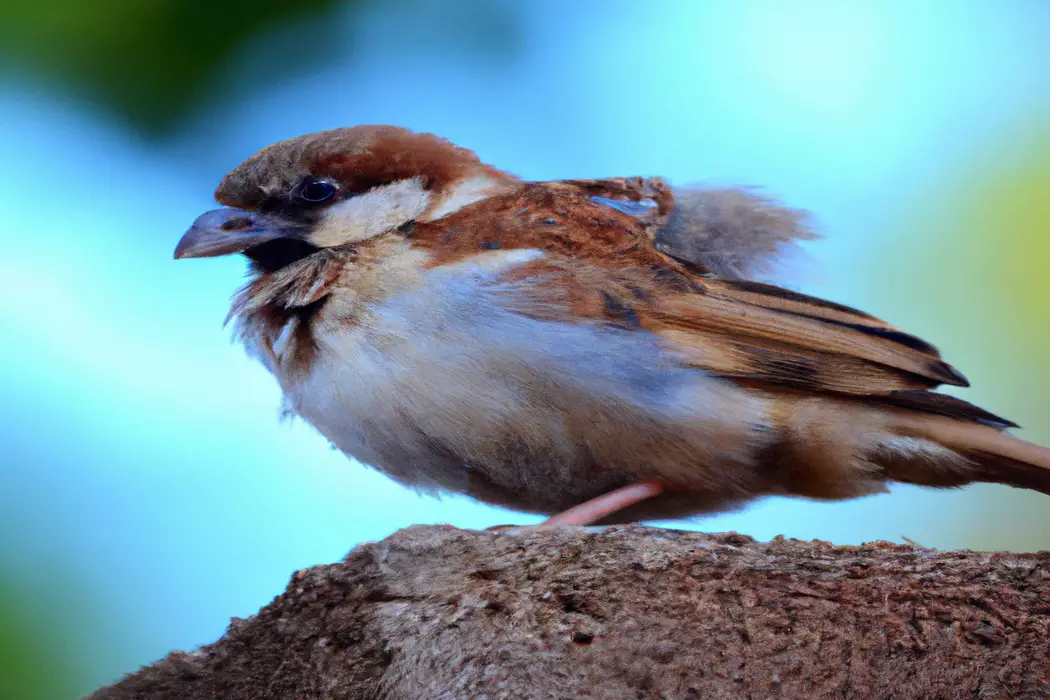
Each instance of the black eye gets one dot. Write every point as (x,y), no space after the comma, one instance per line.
(317,191)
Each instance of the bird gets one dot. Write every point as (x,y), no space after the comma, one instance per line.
(597,351)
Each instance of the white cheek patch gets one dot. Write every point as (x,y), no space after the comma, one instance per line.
(371,214)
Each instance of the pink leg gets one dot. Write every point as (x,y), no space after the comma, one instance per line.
(597,508)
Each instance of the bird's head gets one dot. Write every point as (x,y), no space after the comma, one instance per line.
(337,188)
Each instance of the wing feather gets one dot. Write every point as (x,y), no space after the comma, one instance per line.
(603,264)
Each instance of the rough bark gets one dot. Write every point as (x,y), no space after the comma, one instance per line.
(631,612)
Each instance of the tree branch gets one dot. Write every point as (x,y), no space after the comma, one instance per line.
(630,612)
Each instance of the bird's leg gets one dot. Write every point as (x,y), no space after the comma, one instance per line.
(595,509)
(591,511)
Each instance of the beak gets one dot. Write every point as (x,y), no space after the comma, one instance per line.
(226,231)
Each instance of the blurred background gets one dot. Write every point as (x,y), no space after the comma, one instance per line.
(148,492)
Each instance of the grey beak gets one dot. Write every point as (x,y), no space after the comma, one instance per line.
(224,232)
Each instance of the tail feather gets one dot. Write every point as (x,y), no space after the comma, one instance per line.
(1004,470)
(1000,457)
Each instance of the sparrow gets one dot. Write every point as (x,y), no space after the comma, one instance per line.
(598,351)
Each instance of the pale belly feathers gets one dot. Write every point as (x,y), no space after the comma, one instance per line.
(444,387)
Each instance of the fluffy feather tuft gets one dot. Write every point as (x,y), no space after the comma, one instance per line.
(734,232)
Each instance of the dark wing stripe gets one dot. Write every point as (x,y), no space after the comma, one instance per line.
(945,405)
(900,337)
(801,306)
(815,370)
(772,290)
(737,320)
(936,366)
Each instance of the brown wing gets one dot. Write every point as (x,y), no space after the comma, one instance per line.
(602,265)
(761,335)
(783,336)
(744,330)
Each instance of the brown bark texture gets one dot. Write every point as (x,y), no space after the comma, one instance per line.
(435,612)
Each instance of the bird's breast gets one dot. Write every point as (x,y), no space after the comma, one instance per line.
(445,386)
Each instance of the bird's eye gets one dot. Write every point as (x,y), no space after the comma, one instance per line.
(317,191)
